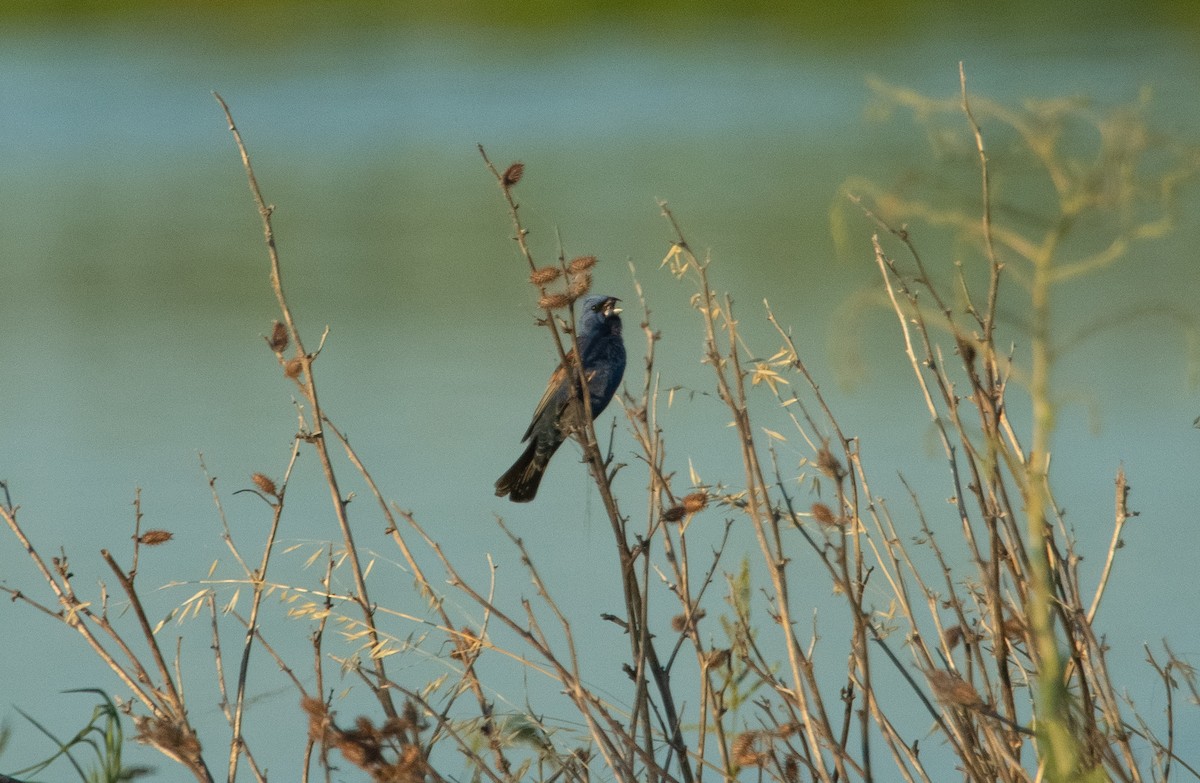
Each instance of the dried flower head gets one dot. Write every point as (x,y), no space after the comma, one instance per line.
(717,658)
(155,537)
(172,738)
(681,622)
(264,483)
(824,515)
(319,719)
(512,175)
(791,769)
(829,464)
(293,368)
(554,301)
(674,514)
(954,636)
(279,337)
(547,274)
(581,264)
(695,501)
(953,690)
(752,749)
(580,284)
(466,645)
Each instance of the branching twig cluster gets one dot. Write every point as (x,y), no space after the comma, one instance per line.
(990,665)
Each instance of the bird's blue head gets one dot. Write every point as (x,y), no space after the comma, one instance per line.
(599,315)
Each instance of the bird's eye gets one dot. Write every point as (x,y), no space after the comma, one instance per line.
(597,307)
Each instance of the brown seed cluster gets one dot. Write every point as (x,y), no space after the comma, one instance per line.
(717,658)
(752,749)
(466,645)
(554,301)
(577,283)
(389,753)
(544,275)
(694,502)
(155,537)
(579,286)
(579,265)
(829,464)
(265,483)
(824,515)
(279,337)
(173,738)
(512,175)
(691,504)
(681,622)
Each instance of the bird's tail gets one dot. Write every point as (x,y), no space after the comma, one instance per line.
(520,482)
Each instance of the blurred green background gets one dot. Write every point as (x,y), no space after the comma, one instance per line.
(135,290)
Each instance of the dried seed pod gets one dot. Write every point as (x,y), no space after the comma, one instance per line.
(264,483)
(695,501)
(579,285)
(512,175)
(279,337)
(554,301)
(752,749)
(581,264)
(681,623)
(829,464)
(824,515)
(717,658)
(155,537)
(293,368)
(547,274)
(674,514)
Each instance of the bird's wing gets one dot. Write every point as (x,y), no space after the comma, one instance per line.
(556,386)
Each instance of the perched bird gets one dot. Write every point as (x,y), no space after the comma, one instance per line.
(561,410)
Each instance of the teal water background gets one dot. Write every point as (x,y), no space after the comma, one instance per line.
(135,290)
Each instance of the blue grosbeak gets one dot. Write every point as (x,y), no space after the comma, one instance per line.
(560,411)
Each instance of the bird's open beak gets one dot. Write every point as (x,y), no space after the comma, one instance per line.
(610,307)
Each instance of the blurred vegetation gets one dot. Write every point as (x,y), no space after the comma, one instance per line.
(807,19)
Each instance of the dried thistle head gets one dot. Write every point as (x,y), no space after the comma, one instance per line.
(319,719)
(717,658)
(512,175)
(581,264)
(791,769)
(580,285)
(752,749)
(954,636)
(264,482)
(695,501)
(554,301)
(824,515)
(952,690)
(155,537)
(174,738)
(681,622)
(544,275)
(674,514)
(293,368)
(279,337)
(829,464)
(466,645)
